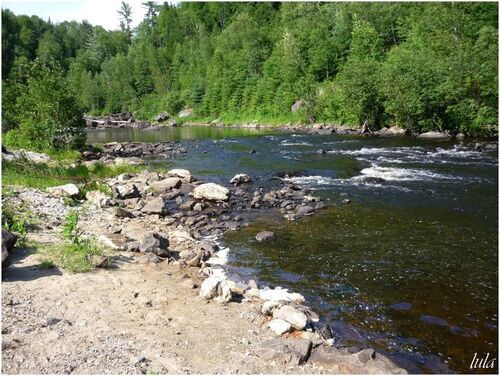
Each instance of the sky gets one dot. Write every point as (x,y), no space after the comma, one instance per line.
(97,12)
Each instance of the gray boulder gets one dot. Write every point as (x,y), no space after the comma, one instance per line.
(99,199)
(216,288)
(240,179)
(211,192)
(161,117)
(185,113)
(433,136)
(363,362)
(305,211)
(285,351)
(291,315)
(279,327)
(8,241)
(298,105)
(181,173)
(127,191)
(264,235)
(166,184)
(123,213)
(155,206)
(154,243)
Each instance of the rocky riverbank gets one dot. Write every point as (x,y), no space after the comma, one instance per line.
(126,119)
(159,230)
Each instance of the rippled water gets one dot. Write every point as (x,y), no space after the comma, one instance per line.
(422,230)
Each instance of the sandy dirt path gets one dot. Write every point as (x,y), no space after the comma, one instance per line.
(133,318)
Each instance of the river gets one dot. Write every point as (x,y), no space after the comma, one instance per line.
(409,268)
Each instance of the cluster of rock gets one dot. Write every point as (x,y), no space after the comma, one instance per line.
(21,154)
(207,209)
(134,150)
(127,119)
(486,146)
(301,337)
(119,120)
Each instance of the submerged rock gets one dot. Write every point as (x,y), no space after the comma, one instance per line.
(401,306)
(181,173)
(264,235)
(240,179)
(429,319)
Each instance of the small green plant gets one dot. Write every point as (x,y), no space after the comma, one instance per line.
(70,229)
(15,223)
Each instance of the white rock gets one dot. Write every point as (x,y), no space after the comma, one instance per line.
(433,135)
(181,173)
(291,315)
(180,236)
(99,199)
(132,161)
(240,179)
(185,113)
(32,156)
(166,184)
(68,190)
(279,326)
(214,287)
(211,191)
(281,295)
(269,306)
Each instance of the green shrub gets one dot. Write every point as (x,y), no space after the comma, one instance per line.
(45,114)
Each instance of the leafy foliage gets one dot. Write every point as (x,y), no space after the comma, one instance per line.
(44,115)
(417,65)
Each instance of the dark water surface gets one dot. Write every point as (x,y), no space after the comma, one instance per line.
(409,268)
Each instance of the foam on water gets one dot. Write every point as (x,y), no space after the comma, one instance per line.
(289,143)
(460,155)
(404,174)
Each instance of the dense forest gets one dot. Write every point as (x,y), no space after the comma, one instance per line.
(417,65)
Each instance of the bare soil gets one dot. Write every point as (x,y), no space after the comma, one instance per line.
(132,318)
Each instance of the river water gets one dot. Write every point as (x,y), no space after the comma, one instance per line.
(410,267)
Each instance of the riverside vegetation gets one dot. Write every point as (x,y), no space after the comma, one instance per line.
(420,67)
(416,65)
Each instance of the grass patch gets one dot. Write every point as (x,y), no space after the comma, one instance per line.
(71,257)
(27,174)
(73,254)
(18,220)
(229,118)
